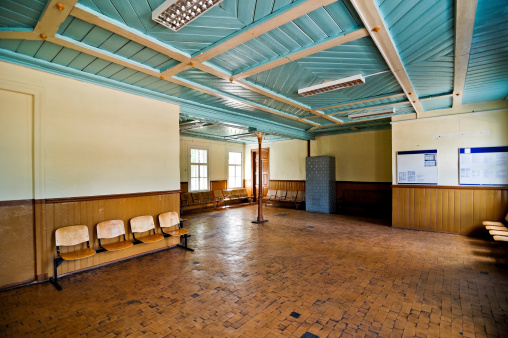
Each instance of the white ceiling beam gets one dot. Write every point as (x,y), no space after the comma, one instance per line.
(372,20)
(435,97)
(371,107)
(19,35)
(465,13)
(55,14)
(262,91)
(362,101)
(216,93)
(81,47)
(355,35)
(99,53)
(83,13)
(95,18)
(271,22)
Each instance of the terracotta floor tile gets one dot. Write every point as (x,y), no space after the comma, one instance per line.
(347,276)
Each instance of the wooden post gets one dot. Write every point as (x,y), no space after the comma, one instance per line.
(260,219)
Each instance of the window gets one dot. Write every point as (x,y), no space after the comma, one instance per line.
(235,170)
(198,169)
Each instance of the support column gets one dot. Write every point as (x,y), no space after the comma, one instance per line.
(260,219)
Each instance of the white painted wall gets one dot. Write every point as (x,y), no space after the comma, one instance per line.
(446,134)
(16,155)
(92,140)
(218,156)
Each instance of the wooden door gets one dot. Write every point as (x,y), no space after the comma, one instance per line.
(265,171)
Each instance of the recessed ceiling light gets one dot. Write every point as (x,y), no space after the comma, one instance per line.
(175,14)
(332,85)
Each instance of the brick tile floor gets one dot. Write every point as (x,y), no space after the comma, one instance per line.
(343,275)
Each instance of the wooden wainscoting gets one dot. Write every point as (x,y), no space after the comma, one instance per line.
(51,214)
(286,185)
(218,185)
(17,231)
(341,186)
(459,210)
(184,187)
(372,191)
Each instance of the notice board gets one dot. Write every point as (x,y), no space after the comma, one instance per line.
(417,167)
(483,166)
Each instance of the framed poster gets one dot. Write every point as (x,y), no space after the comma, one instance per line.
(417,167)
(483,166)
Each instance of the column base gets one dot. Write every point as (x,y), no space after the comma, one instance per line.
(259,222)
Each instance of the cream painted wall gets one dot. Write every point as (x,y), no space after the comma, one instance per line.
(360,157)
(218,156)
(92,140)
(446,135)
(16,119)
(363,157)
(287,159)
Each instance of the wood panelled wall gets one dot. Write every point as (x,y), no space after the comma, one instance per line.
(55,213)
(459,210)
(214,185)
(341,186)
(218,185)
(286,185)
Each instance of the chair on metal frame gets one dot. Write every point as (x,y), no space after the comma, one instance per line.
(171,221)
(143,224)
(112,229)
(271,195)
(70,236)
(300,198)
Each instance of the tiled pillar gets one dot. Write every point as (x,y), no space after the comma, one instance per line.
(320,184)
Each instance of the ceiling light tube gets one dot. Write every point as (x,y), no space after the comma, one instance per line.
(332,85)
(370,113)
(175,14)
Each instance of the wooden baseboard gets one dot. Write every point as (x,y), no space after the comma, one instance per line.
(13,285)
(42,277)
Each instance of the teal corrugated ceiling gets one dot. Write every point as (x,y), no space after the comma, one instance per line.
(487,73)
(288,78)
(439,103)
(21,13)
(424,33)
(239,91)
(356,127)
(98,37)
(321,24)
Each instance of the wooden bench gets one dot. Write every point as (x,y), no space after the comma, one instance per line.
(77,235)
(498,230)
(295,197)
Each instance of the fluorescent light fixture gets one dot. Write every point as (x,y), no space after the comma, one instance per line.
(175,14)
(370,113)
(192,125)
(332,85)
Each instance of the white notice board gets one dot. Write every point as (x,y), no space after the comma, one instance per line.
(417,167)
(483,166)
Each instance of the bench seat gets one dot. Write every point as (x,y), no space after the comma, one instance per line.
(83,253)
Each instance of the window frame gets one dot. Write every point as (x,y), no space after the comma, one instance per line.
(189,166)
(236,165)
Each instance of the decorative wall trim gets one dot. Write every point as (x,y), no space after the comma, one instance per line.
(103,197)
(16,203)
